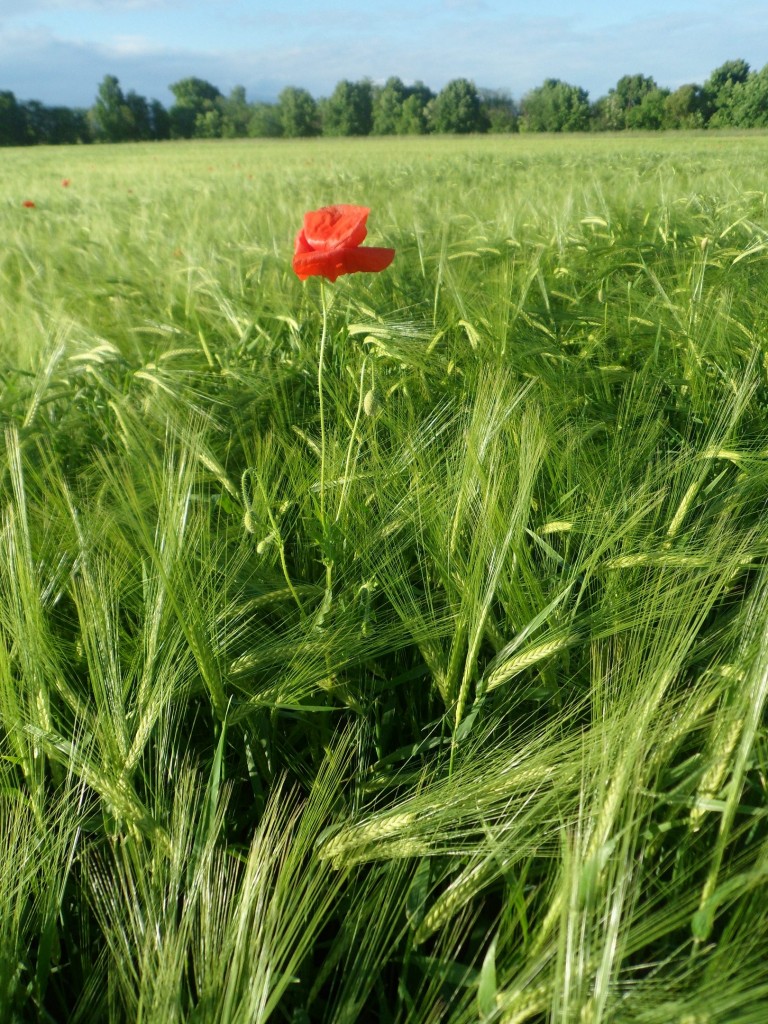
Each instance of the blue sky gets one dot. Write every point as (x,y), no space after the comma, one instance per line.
(58,51)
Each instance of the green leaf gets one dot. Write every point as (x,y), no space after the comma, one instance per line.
(487,986)
(416,900)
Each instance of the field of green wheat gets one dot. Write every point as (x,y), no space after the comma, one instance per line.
(424,684)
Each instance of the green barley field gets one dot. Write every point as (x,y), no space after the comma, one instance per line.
(424,685)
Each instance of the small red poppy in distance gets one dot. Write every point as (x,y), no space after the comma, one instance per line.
(29,204)
(65,182)
(329,244)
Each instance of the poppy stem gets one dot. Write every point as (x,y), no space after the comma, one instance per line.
(326,545)
(321,361)
(348,462)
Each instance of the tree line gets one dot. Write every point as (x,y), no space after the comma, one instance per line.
(734,96)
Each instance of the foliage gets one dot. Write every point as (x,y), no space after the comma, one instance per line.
(297,113)
(349,109)
(751,102)
(195,93)
(457,109)
(115,117)
(555,106)
(500,110)
(733,96)
(236,113)
(686,107)
(388,107)
(732,72)
(54,126)
(12,121)
(159,120)
(196,111)
(265,122)
(634,102)
(743,103)
(415,115)
(631,90)
(112,119)
(650,113)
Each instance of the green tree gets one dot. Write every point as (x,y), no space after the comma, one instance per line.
(208,124)
(388,107)
(297,113)
(37,122)
(605,115)
(349,109)
(719,89)
(686,107)
(724,90)
(748,101)
(12,121)
(67,126)
(194,99)
(625,99)
(160,120)
(650,112)
(414,116)
(110,116)
(236,114)
(500,111)
(555,106)
(728,74)
(457,108)
(264,122)
(54,126)
(632,89)
(139,122)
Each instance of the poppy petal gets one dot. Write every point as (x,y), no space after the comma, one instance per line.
(302,245)
(316,264)
(365,259)
(336,227)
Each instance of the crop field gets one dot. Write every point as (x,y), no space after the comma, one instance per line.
(394,649)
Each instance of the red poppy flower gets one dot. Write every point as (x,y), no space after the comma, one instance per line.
(329,244)
(29,204)
(65,182)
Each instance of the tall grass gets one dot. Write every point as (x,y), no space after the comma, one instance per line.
(475,732)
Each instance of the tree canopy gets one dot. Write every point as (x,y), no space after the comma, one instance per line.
(457,108)
(734,95)
(555,107)
(349,109)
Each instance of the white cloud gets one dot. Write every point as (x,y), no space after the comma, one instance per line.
(132,46)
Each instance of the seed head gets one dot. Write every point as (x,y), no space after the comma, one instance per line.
(371,402)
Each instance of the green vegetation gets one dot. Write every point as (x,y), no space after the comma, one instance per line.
(479,732)
(734,96)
